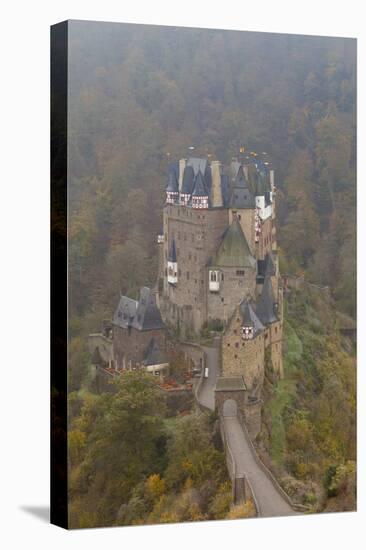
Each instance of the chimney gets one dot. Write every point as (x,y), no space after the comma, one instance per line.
(216,193)
(182,165)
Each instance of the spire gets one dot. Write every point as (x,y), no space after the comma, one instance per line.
(172,256)
(233,251)
(147,315)
(251,324)
(200,187)
(242,196)
(172,186)
(200,193)
(267,307)
(188,179)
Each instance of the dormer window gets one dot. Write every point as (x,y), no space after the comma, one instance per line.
(247,333)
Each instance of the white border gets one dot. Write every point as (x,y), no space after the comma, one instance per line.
(25,270)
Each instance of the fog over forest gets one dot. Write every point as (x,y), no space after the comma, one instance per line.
(139,97)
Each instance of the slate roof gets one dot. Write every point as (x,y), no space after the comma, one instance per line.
(147,315)
(173,185)
(237,190)
(172,256)
(188,180)
(154,355)
(198,164)
(200,189)
(241,196)
(233,251)
(225,383)
(125,312)
(234,168)
(225,189)
(266,309)
(270,266)
(142,315)
(265,267)
(249,317)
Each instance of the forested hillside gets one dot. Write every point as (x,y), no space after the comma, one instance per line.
(140,96)
(173,471)
(309,419)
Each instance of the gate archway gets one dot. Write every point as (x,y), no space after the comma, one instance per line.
(230,408)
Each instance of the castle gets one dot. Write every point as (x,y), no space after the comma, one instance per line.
(218,272)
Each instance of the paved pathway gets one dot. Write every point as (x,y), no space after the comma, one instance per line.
(270,501)
(207,393)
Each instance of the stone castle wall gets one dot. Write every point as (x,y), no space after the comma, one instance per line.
(196,234)
(234,286)
(264,245)
(242,357)
(131,344)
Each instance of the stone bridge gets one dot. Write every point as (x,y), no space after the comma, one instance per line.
(250,477)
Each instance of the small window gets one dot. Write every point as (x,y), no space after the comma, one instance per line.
(240,272)
(236,344)
(235,356)
(235,331)
(222,276)
(228,345)
(239,217)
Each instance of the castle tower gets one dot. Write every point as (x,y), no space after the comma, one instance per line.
(172,188)
(269,313)
(242,204)
(187,185)
(200,193)
(231,273)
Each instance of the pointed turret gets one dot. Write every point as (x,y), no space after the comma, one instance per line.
(251,325)
(267,306)
(200,193)
(172,188)
(147,315)
(234,250)
(242,196)
(187,185)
